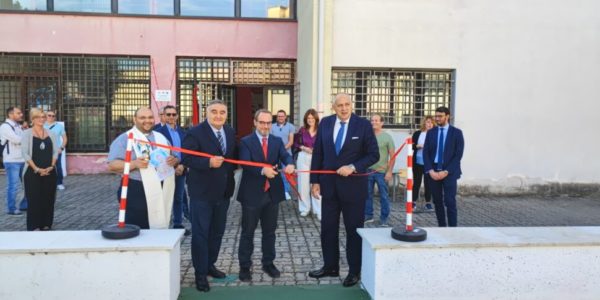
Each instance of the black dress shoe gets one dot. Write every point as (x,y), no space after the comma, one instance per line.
(215,273)
(202,284)
(351,280)
(272,271)
(245,275)
(322,272)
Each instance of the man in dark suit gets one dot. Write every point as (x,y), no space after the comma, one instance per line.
(210,185)
(346,143)
(261,190)
(175,134)
(442,152)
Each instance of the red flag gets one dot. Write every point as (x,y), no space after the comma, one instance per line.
(195,108)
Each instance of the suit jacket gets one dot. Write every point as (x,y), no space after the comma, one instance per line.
(453,151)
(252,184)
(359,148)
(205,183)
(164,130)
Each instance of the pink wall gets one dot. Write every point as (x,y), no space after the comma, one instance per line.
(162,39)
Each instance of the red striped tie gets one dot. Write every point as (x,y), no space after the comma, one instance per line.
(264,146)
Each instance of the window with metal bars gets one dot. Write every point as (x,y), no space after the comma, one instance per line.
(95,96)
(402,97)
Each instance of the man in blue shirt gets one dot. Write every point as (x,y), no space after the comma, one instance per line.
(59,131)
(175,135)
(285,131)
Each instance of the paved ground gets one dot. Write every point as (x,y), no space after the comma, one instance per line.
(89,202)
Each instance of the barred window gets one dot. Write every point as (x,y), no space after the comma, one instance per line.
(95,96)
(402,97)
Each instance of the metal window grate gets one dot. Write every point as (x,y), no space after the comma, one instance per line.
(263,72)
(95,96)
(402,97)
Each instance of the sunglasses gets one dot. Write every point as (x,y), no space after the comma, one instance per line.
(171,115)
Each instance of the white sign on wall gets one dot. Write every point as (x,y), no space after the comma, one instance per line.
(163,95)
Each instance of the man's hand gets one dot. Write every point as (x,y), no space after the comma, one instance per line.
(442,175)
(289,169)
(345,171)
(172,160)
(388,176)
(139,163)
(216,161)
(316,190)
(269,172)
(179,170)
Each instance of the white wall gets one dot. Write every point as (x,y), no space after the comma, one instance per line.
(526,84)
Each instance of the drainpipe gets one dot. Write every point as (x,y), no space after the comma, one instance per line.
(320,57)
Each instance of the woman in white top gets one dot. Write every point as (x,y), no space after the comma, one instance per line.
(418,139)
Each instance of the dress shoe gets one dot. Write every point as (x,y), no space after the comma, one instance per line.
(202,284)
(245,275)
(351,280)
(271,270)
(322,272)
(215,273)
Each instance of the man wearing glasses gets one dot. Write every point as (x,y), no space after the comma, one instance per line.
(175,134)
(59,131)
(442,152)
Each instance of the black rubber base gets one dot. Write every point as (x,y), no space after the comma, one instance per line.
(114,232)
(416,235)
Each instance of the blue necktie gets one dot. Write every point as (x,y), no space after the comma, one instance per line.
(221,141)
(339,138)
(440,153)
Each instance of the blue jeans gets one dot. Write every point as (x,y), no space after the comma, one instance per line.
(178,199)
(379,179)
(59,173)
(13,172)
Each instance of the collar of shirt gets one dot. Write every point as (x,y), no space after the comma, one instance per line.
(13,123)
(338,121)
(260,137)
(445,127)
(171,128)
(222,131)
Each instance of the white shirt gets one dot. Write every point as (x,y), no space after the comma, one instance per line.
(14,141)
(336,129)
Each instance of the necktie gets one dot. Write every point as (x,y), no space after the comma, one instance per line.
(339,138)
(440,153)
(221,141)
(264,147)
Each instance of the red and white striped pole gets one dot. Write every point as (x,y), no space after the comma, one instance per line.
(409,184)
(409,233)
(125,181)
(122,230)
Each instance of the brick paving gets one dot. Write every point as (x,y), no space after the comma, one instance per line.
(89,202)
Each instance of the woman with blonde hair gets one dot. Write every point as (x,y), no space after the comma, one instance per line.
(40,151)
(304,142)
(418,140)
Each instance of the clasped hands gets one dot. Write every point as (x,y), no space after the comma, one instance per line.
(45,171)
(437,176)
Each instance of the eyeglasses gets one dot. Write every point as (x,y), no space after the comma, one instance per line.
(50,116)
(171,115)
(264,123)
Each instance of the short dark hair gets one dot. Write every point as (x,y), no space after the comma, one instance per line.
(10,110)
(443,109)
(311,112)
(261,111)
(169,107)
(282,111)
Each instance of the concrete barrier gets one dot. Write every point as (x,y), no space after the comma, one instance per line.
(84,265)
(484,263)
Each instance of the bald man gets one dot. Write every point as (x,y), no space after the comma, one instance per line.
(137,206)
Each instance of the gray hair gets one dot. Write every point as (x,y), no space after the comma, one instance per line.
(261,111)
(341,95)
(215,102)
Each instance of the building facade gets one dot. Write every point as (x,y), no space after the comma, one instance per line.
(513,73)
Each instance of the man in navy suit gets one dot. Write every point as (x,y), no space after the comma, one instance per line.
(175,134)
(345,143)
(442,152)
(210,185)
(261,190)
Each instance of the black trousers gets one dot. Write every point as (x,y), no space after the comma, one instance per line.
(136,211)
(208,220)
(354,217)
(40,192)
(266,211)
(418,178)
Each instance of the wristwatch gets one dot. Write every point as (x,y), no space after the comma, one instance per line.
(351,166)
